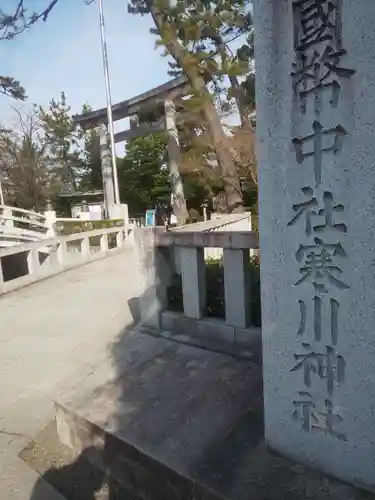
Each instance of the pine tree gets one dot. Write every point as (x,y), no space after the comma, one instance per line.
(63,140)
(188,32)
(144,178)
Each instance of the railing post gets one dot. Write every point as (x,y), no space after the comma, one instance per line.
(104,243)
(7,214)
(50,216)
(129,233)
(154,273)
(61,252)
(193,269)
(85,247)
(1,274)
(33,263)
(252,251)
(237,287)
(119,239)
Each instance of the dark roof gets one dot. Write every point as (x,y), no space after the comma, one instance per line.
(80,194)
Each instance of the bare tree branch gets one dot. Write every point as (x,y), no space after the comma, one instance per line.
(16,23)
(27,175)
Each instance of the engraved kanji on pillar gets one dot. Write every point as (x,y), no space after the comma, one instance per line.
(318,66)
(318,216)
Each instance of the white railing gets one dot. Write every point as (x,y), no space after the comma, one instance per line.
(219,222)
(137,221)
(27,263)
(18,226)
(183,252)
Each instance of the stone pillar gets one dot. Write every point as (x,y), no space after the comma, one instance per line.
(105,155)
(193,272)
(178,198)
(315,69)
(85,206)
(204,209)
(50,216)
(133,122)
(85,211)
(154,276)
(121,211)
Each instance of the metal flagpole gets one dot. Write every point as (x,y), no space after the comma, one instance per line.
(1,193)
(109,103)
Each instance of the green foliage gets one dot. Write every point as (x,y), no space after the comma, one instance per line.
(92,171)
(12,88)
(144,178)
(250,195)
(65,228)
(63,140)
(198,36)
(205,31)
(248,87)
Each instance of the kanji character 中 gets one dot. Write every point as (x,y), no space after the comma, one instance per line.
(317,138)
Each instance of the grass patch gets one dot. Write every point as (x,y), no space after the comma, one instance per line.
(65,228)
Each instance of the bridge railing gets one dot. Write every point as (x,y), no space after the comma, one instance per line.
(27,263)
(163,255)
(24,219)
(18,225)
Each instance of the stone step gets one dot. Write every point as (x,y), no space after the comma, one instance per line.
(182,423)
(156,425)
(71,474)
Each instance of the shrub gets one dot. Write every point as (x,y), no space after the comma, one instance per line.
(65,228)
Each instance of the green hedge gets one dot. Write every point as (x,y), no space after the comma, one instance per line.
(65,228)
(215,306)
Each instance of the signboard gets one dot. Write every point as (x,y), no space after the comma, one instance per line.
(150,217)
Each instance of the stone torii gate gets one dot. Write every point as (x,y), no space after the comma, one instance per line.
(166,93)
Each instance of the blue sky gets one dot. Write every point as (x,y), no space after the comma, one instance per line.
(64,54)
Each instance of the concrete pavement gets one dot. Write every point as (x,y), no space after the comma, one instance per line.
(52,335)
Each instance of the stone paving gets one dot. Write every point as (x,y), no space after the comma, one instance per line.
(52,334)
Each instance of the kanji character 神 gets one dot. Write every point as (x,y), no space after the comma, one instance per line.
(328,366)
